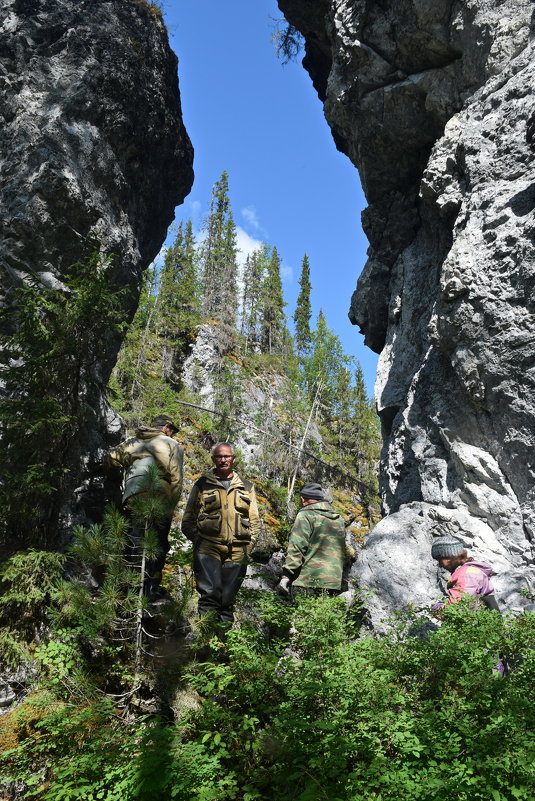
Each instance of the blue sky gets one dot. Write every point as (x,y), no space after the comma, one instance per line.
(263,123)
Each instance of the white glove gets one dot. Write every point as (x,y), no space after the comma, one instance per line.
(283,587)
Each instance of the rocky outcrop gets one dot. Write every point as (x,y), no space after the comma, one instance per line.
(214,369)
(94,154)
(432,102)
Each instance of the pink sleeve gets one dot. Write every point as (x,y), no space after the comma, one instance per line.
(470,580)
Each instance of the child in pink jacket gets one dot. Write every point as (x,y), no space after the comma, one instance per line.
(468,577)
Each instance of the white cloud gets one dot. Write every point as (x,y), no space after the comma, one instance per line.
(195,209)
(250,216)
(287,272)
(246,245)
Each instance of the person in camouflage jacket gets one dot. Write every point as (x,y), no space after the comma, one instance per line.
(316,548)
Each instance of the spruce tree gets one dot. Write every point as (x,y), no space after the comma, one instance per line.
(324,361)
(136,383)
(51,340)
(148,366)
(178,299)
(273,320)
(218,258)
(302,313)
(246,297)
(365,432)
(343,389)
(252,298)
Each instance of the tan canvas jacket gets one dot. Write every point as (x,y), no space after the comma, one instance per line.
(149,448)
(219,515)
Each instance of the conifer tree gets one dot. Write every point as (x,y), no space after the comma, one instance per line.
(51,340)
(254,275)
(344,396)
(139,361)
(218,258)
(365,432)
(302,313)
(178,298)
(273,321)
(148,365)
(246,297)
(325,360)
(361,399)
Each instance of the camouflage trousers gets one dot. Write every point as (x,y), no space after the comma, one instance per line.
(315,592)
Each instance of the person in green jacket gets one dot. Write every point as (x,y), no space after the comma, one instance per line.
(221,520)
(315,558)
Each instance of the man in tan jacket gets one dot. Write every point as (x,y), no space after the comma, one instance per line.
(221,519)
(152,462)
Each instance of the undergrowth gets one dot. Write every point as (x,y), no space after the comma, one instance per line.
(28,580)
(295,705)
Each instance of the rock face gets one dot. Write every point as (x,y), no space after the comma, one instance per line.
(260,398)
(432,102)
(93,154)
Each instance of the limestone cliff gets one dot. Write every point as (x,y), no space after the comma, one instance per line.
(93,153)
(432,102)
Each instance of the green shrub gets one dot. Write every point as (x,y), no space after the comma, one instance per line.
(28,581)
(377,718)
(295,706)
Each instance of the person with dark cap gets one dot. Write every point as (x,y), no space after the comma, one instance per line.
(316,548)
(152,463)
(468,577)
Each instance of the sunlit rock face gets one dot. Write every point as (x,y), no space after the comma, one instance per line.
(93,154)
(432,102)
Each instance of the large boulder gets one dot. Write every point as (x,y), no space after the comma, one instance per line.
(431,101)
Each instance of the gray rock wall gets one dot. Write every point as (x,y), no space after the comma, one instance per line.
(432,102)
(93,153)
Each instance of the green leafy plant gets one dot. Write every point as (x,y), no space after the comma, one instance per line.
(293,704)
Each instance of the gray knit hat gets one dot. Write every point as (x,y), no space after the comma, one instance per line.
(312,491)
(446,546)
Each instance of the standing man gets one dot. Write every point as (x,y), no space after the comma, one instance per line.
(316,548)
(152,463)
(221,519)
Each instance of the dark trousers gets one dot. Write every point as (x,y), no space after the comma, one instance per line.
(133,551)
(218,583)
